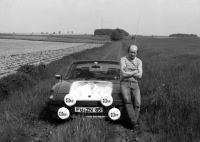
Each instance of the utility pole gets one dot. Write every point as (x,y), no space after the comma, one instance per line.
(137,30)
(101,28)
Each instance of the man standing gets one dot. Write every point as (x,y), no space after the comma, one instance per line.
(130,71)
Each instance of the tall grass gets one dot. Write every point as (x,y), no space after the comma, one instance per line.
(170,108)
(83,129)
(170,88)
(23,115)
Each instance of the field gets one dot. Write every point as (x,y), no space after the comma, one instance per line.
(15,53)
(58,38)
(170,87)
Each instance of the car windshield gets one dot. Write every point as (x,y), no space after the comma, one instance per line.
(94,70)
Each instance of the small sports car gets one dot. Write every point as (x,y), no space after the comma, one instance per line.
(91,88)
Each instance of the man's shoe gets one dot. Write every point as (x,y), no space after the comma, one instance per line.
(134,127)
(134,124)
(135,140)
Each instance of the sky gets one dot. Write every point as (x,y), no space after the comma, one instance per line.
(142,17)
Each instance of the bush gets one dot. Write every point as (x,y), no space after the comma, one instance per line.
(115,36)
(42,71)
(13,83)
(4,89)
(27,76)
(27,69)
(39,72)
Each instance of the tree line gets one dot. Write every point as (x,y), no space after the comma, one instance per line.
(115,34)
(183,35)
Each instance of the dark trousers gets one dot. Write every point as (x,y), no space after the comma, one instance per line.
(131,96)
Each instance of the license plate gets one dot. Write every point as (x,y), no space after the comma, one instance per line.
(89,109)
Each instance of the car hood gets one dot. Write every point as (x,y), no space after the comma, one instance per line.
(87,90)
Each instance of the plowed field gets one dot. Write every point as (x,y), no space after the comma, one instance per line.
(15,53)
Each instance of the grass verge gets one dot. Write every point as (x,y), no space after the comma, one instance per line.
(170,108)
(23,114)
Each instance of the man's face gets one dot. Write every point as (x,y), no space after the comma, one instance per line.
(132,52)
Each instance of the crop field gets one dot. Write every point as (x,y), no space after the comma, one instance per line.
(58,38)
(170,108)
(15,53)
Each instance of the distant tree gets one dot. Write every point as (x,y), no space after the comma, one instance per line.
(103,31)
(119,34)
(59,32)
(132,37)
(116,35)
(110,31)
(72,32)
(68,32)
(54,33)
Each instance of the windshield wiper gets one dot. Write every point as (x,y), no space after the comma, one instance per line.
(108,77)
(103,78)
(87,78)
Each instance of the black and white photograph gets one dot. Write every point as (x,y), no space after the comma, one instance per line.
(99,71)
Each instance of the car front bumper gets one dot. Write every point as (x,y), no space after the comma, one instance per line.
(55,105)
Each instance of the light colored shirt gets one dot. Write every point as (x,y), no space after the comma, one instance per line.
(131,65)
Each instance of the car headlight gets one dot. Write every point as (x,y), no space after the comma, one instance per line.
(51,95)
(63,113)
(106,100)
(114,113)
(70,100)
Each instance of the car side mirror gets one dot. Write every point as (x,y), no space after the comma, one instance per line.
(58,76)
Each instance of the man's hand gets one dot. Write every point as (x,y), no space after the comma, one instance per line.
(130,70)
(135,72)
(125,69)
